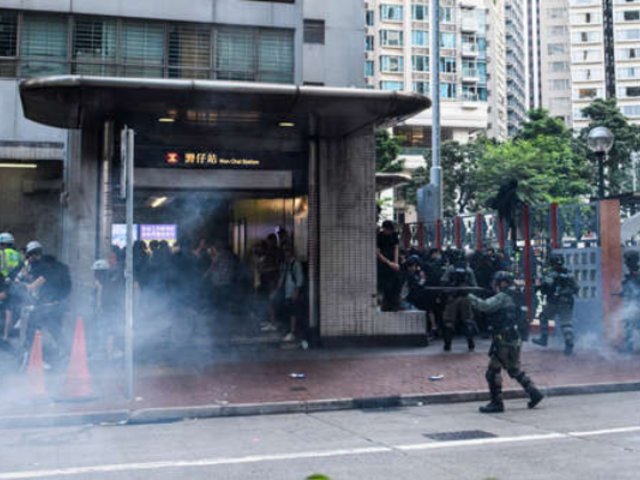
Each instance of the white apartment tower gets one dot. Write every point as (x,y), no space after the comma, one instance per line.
(398,58)
(516,64)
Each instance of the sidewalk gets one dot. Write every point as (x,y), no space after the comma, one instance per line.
(333,379)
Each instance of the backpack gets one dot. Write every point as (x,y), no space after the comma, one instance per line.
(521,320)
(459,277)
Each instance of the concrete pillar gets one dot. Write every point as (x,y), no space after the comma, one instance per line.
(80,215)
(611,257)
(347,280)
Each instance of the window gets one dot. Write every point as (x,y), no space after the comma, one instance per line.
(556,48)
(94,46)
(633,92)
(8,43)
(391,63)
(369,18)
(142,46)
(587,93)
(421,87)
(587,55)
(368,68)
(447,40)
(559,84)
(628,34)
(275,56)
(314,31)
(391,85)
(470,93)
(585,37)
(629,72)
(391,12)
(631,110)
(189,51)
(631,15)
(559,66)
(391,38)
(420,38)
(369,43)
(469,68)
(557,12)
(560,101)
(558,30)
(586,74)
(447,14)
(448,90)
(628,53)
(419,12)
(420,63)
(43,45)
(448,64)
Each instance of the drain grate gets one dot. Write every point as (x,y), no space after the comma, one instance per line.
(462,435)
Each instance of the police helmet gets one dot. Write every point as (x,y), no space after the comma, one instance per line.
(33,247)
(6,238)
(413,260)
(100,265)
(503,276)
(556,260)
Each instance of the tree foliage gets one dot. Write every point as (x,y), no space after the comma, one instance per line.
(542,158)
(626,140)
(387,151)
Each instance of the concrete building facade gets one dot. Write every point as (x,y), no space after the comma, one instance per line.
(281,41)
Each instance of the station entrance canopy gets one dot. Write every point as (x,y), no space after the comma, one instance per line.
(330,131)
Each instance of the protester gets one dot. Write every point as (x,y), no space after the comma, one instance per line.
(388,255)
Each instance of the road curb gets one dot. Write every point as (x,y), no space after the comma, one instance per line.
(175,414)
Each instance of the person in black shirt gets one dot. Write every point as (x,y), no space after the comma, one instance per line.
(388,255)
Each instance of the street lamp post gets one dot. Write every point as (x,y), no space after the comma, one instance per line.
(600,141)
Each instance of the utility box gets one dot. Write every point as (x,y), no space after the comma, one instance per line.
(427,204)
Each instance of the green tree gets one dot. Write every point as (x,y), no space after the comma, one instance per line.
(544,159)
(387,151)
(627,140)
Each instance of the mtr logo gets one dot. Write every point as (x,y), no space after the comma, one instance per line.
(172,158)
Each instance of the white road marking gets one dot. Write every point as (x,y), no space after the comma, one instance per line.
(213,462)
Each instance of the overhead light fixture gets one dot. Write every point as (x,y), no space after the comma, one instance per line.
(286,124)
(18,165)
(166,120)
(158,201)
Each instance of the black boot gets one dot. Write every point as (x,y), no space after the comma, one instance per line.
(471,344)
(494,406)
(535,397)
(542,341)
(568,348)
(447,335)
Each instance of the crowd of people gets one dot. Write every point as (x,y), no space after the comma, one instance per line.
(34,288)
(173,284)
(440,281)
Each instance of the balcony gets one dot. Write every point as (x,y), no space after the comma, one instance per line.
(470,75)
(470,50)
(469,24)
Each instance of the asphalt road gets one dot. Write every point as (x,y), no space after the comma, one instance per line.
(586,437)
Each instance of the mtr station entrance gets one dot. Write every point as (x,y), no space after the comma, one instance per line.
(227,167)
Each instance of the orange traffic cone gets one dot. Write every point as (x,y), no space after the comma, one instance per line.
(77,384)
(35,368)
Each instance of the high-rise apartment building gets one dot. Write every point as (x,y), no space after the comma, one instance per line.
(626,50)
(398,58)
(516,64)
(497,126)
(550,58)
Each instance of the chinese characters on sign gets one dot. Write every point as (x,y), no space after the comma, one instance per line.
(207,159)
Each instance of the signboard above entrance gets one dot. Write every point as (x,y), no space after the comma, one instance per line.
(208,158)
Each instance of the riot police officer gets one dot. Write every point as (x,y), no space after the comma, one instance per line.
(503,311)
(559,287)
(11,262)
(458,309)
(631,295)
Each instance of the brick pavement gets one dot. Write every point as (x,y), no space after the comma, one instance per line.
(329,374)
